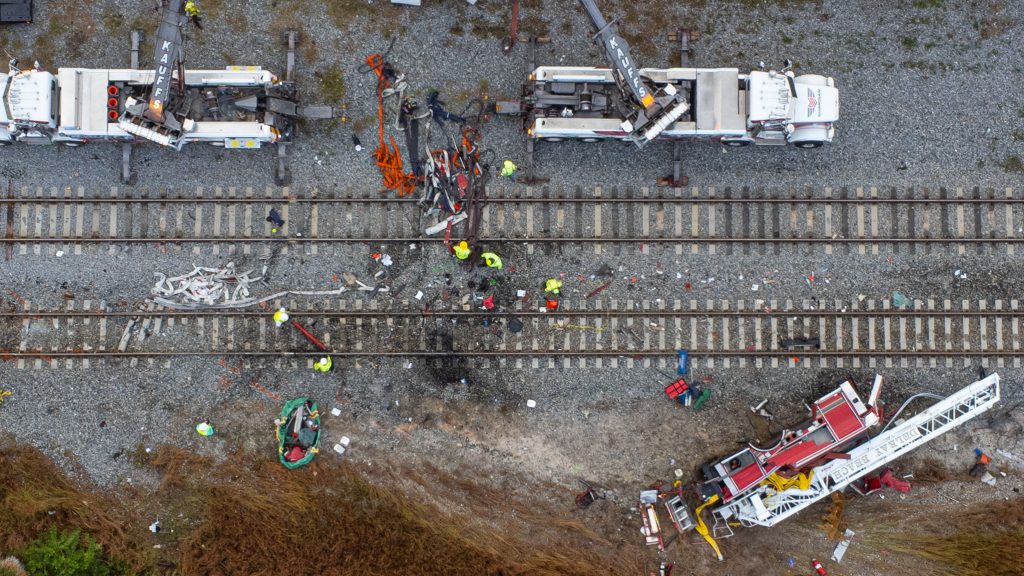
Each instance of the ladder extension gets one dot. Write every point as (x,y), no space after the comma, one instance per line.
(767,507)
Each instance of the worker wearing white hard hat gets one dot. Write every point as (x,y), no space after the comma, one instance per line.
(280,317)
(324,364)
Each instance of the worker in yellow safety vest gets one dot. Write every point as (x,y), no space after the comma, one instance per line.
(280,317)
(461,250)
(193,13)
(553,285)
(508,169)
(324,364)
(491,259)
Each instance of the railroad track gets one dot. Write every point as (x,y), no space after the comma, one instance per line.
(584,333)
(692,220)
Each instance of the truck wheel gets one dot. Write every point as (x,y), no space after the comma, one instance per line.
(590,139)
(735,143)
(808,144)
(554,139)
(71,144)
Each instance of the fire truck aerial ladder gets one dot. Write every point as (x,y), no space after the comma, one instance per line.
(765,505)
(626,102)
(240,107)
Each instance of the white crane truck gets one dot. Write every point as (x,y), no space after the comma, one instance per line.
(240,107)
(640,104)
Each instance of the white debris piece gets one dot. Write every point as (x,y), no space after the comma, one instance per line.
(840,551)
(216,288)
(335,411)
(419,294)
(531,403)
(344,440)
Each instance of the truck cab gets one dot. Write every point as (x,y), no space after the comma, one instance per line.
(29,110)
(788,109)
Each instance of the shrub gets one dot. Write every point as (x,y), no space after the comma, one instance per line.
(67,554)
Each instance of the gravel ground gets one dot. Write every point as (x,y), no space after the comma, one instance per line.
(124,280)
(928,94)
(897,65)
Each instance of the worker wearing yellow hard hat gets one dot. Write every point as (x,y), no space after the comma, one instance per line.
(461,250)
(492,260)
(553,285)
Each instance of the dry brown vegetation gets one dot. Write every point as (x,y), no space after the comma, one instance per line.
(984,540)
(35,495)
(994,22)
(250,516)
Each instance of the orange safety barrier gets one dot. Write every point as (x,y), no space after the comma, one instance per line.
(389,159)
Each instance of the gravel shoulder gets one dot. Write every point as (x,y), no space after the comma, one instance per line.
(929,99)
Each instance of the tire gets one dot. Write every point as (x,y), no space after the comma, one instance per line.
(3,143)
(808,144)
(217,143)
(590,139)
(553,139)
(71,144)
(736,143)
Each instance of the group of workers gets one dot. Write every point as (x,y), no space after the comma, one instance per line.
(462,252)
(552,286)
(325,364)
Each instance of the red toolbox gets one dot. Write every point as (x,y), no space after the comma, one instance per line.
(675,389)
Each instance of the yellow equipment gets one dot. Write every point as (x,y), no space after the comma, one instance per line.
(702,528)
(780,484)
(4,393)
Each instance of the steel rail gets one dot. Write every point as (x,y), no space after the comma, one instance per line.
(636,353)
(534,240)
(505,200)
(858,313)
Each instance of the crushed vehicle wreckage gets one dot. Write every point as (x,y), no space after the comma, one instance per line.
(833,450)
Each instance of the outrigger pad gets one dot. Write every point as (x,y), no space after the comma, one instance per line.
(15,11)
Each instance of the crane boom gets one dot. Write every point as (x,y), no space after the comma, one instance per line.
(618,53)
(169,53)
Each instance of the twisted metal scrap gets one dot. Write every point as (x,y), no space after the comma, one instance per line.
(216,288)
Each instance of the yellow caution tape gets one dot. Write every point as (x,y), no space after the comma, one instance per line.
(580,327)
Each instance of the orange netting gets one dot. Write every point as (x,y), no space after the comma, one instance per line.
(389,159)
